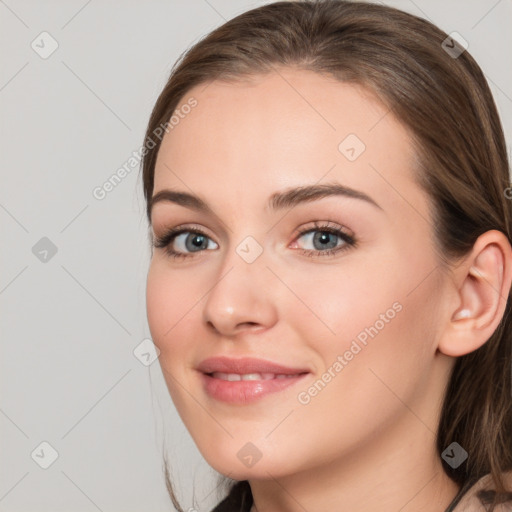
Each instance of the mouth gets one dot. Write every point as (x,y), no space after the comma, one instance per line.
(245,380)
(246,366)
(233,377)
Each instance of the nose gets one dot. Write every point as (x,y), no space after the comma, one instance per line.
(240,297)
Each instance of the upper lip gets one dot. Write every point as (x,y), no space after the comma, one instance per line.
(246,365)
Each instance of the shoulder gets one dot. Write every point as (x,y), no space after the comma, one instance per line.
(472,502)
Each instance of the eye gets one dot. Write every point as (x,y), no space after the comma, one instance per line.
(327,238)
(193,240)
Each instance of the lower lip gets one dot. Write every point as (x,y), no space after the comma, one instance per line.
(245,391)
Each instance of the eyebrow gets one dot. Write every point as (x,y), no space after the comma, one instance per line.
(277,201)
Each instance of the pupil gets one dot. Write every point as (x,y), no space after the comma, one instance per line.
(324,238)
(197,241)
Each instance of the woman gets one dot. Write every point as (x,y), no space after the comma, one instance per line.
(331,264)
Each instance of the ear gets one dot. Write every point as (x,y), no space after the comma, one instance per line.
(481,285)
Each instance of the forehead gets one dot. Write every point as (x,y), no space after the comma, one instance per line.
(287,128)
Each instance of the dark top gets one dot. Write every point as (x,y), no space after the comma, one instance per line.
(240,498)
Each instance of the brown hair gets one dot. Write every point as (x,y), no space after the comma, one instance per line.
(445,102)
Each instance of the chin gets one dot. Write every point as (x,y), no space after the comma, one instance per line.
(245,463)
(232,470)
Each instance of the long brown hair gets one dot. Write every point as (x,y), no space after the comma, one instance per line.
(443,98)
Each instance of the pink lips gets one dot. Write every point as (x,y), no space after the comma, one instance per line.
(246,391)
(245,365)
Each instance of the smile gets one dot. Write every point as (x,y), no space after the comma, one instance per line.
(250,376)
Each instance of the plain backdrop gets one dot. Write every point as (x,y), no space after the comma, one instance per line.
(74,395)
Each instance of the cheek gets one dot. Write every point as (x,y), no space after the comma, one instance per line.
(373,364)
(170,303)
(157,304)
(170,309)
(372,320)
(336,304)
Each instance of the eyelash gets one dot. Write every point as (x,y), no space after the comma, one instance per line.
(168,237)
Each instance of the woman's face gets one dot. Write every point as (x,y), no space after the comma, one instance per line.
(363,318)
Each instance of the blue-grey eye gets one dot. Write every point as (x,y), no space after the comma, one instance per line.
(193,242)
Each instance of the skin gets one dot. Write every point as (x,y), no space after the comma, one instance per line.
(367,439)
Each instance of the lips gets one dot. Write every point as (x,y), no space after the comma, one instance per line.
(246,366)
(246,380)
(233,377)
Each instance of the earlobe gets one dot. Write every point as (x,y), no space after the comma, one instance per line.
(483,283)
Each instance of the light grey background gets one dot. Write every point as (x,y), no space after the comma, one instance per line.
(70,324)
